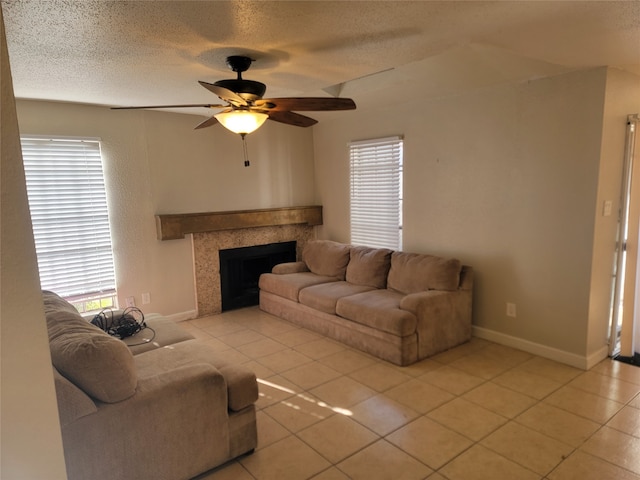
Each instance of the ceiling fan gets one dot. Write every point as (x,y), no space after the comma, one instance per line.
(245,110)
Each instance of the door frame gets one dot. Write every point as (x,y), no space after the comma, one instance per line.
(621,334)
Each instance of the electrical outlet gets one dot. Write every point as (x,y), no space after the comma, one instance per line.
(146,298)
(511,310)
(131,301)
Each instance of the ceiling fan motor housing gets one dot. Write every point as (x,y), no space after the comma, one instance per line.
(247,89)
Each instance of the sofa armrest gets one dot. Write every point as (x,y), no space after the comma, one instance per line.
(428,302)
(242,387)
(174,417)
(290,267)
(73,403)
(444,318)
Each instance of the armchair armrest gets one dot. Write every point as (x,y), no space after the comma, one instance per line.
(290,267)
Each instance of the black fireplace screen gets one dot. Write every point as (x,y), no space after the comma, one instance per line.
(240,270)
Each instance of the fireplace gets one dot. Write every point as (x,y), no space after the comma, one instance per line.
(206,256)
(240,270)
(212,232)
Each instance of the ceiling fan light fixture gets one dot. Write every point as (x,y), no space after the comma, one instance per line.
(242,121)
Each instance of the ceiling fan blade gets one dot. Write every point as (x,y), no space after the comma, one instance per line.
(225,94)
(206,105)
(306,104)
(207,123)
(291,118)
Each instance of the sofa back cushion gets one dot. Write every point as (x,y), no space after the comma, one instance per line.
(327,258)
(99,364)
(369,266)
(413,272)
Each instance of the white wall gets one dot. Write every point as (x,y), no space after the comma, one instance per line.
(510,179)
(30,440)
(155,162)
(507,180)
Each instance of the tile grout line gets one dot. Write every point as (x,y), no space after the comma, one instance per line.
(455,395)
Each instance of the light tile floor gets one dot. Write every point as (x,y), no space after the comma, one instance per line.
(478,411)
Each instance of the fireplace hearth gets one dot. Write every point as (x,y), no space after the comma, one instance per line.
(240,270)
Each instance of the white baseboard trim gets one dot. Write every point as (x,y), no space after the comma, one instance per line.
(182,316)
(597,357)
(578,361)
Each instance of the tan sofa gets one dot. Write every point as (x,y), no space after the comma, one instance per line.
(164,409)
(401,307)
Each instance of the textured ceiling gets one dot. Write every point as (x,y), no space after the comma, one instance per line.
(154,52)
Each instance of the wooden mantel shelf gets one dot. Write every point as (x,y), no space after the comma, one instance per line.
(175,226)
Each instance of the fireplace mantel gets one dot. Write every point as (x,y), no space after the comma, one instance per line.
(176,226)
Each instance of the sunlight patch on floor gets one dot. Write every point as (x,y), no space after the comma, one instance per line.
(320,403)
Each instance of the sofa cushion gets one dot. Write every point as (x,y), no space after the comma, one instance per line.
(369,266)
(412,272)
(161,331)
(99,364)
(378,309)
(327,258)
(290,284)
(242,387)
(324,297)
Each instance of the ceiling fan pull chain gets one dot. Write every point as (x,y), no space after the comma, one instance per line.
(244,149)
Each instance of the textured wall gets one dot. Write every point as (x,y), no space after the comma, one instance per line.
(506,179)
(30,440)
(156,163)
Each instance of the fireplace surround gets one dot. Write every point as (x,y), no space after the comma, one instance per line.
(215,231)
(206,248)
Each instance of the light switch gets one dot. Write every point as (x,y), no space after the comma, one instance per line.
(606,208)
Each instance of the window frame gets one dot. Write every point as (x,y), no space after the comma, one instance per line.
(376,192)
(70,218)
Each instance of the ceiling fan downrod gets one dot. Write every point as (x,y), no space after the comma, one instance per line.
(244,150)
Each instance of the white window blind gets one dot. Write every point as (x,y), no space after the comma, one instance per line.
(67,199)
(376,192)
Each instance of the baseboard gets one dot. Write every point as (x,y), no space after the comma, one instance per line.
(578,361)
(597,357)
(182,316)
